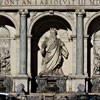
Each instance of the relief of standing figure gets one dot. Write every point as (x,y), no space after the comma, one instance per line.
(53,50)
(96,70)
(5,61)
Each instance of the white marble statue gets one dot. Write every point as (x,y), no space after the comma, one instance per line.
(53,50)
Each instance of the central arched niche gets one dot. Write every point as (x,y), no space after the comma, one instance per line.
(93,29)
(42,26)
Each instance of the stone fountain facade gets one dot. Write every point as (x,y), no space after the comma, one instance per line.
(23,26)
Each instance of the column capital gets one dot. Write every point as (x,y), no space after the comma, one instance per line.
(23,11)
(80,12)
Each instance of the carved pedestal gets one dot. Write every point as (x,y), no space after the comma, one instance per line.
(96,84)
(77,83)
(50,84)
(20,79)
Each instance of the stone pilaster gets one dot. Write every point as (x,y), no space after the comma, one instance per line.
(22,77)
(85,54)
(74,55)
(79,42)
(23,42)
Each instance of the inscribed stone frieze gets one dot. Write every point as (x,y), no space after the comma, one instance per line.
(49,2)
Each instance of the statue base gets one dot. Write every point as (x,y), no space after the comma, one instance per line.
(77,83)
(96,83)
(20,79)
(51,84)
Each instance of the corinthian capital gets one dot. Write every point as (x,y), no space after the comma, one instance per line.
(23,11)
(80,12)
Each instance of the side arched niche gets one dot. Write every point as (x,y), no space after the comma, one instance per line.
(40,29)
(7,45)
(93,43)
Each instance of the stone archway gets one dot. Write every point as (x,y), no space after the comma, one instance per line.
(92,29)
(39,28)
(7,31)
(94,52)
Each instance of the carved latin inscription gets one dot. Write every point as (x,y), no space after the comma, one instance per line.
(49,2)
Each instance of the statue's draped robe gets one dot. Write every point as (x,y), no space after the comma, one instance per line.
(53,56)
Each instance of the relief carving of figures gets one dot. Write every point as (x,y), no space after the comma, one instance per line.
(5,61)
(53,50)
(4,50)
(96,70)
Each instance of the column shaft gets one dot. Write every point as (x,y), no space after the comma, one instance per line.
(79,44)
(23,44)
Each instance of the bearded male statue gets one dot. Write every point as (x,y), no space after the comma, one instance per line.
(53,51)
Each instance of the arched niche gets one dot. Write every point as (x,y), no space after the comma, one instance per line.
(93,43)
(39,30)
(7,32)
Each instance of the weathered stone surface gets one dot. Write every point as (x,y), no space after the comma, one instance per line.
(49,84)
(2,88)
(42,15)
(96,84)
(8,83)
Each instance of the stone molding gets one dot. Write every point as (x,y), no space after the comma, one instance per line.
(59,14)
(74,36)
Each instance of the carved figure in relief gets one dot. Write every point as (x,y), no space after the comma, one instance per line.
(5,61)
(53,50)
(97,62)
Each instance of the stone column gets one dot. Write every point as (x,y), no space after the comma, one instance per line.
(79,42)
(23,42)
